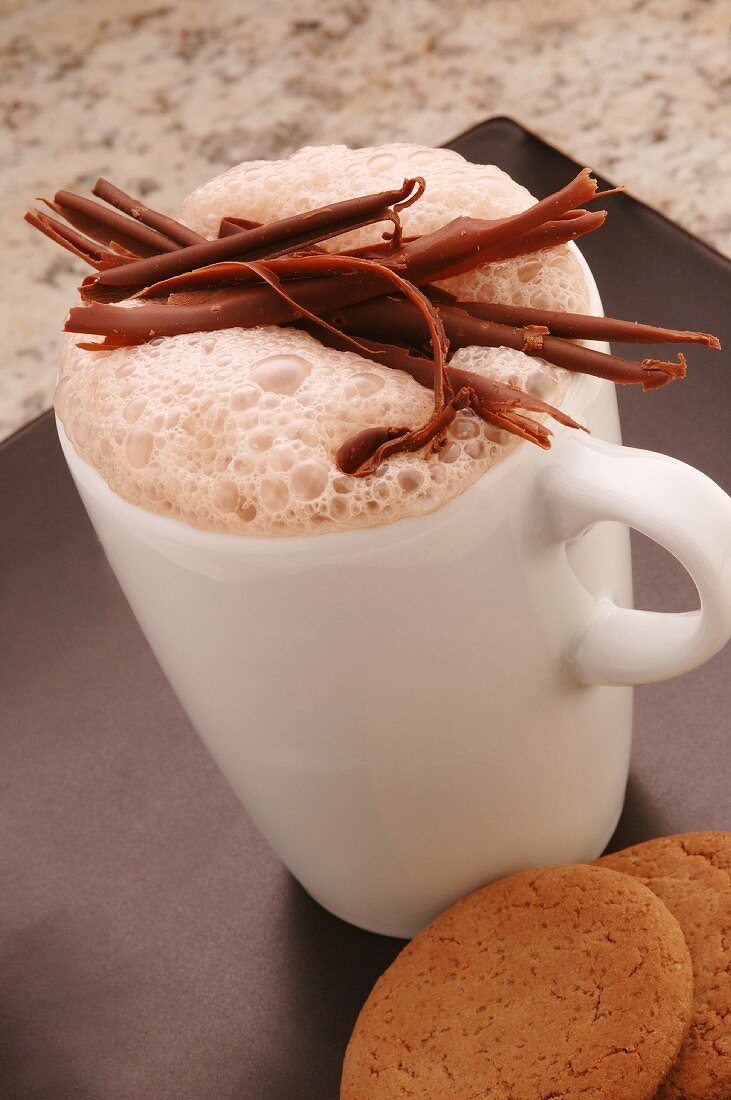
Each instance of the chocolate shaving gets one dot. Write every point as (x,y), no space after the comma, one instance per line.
(109,227)
(398,439)
(461,245)
(552,233)
(579,326)
(394,320)
(378,251)
(250,306)
(609,191)
(492,394)
(265,241)
(394,239)
(464,330)
(175,231)
(259,267)
(568,227)
(234,305)
(229,226)
(363,453)
(230,307)
(72,241)
(419,303)
(490,399)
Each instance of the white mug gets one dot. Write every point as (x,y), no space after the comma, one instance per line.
(410,711)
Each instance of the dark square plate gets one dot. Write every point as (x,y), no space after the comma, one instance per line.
(151,946)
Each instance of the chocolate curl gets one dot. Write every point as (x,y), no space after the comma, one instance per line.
(72,241)
(392,320)
(459,246)
(311,268)
(463,243)
(251,306)
(264,308)
(579,326)
(173,230)
(124,327)
(609,191)
(239,273)
(108,227)
(570,227)
(395,439)
(268,276)
(547,235)
(109,343)
(492,394)
(551,233)
(265,241)
(394,239)
(378,251)
(464,330)
(356,455)
(417,300)
(342,280)
(230,307)
(229,226)
(490,399)
(363,453)
(366,451)
(409,199)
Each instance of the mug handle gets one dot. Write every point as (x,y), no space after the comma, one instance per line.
(681,509)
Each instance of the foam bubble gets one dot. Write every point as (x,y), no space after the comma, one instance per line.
(381,162)
(226,495)
(308,479)
(237,430)
(138,447)
(464,426)
(365,385)
(281,373)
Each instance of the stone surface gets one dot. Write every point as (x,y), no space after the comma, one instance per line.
(165,95)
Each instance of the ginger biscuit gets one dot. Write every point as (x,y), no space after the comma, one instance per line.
(691,874)
(560,982)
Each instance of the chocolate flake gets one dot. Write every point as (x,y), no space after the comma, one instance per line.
(533,337)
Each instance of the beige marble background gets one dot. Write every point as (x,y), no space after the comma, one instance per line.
(160,96)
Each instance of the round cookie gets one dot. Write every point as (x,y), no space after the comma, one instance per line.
(560,982)
(692,876)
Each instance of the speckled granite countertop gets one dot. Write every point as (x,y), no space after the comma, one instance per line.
(166,94)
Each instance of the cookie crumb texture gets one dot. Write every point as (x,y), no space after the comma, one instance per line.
(562,982)
(692,876)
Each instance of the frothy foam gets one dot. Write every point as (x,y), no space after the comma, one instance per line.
(237,430)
